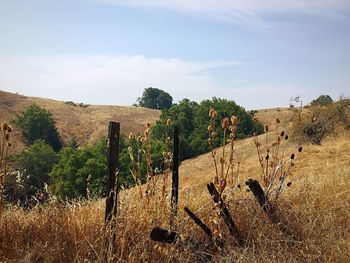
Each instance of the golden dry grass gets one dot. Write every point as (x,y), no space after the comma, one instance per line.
(316,210)
(89,124)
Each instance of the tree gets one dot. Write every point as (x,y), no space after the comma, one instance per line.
(322,100)
(192,119)
(154,98)
(37,123)
(34,165)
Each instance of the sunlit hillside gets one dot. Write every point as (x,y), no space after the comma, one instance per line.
(314,208)
(88,122)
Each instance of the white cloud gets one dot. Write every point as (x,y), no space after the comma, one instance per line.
(247,11)
(107,79)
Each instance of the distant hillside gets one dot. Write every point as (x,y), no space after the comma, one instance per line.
(87,122)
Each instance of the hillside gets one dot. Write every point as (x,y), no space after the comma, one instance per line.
(315,208)
(89,123)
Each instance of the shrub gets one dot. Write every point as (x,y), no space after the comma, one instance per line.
(33,167)
(319,121)
(322,100)
(37,123)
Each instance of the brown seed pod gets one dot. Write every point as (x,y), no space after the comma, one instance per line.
(4,126)
(266,128)
(234,120)
(225,123)
(211,111)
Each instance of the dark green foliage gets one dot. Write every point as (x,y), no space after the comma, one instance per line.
(83,172)
(74,167)
(73,143)
(37,123)
(322,100)
(154,98)
(34,165)
(192,119)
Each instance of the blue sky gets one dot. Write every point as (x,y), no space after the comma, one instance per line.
(258,53)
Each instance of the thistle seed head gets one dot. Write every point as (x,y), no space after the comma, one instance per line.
(225,123)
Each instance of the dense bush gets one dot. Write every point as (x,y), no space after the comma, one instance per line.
(37,123)
(318,121)
(322,100)
(33,167)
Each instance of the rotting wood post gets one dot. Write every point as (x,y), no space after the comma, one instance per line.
(175,179)
(160,234)
(112,189)
(163,235)
(113,167)
(225,214)
(262,199)
(260,196)
(200,223)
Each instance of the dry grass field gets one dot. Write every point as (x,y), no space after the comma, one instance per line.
(89,123)
(315,209)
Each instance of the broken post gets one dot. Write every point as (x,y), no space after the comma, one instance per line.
(225,214)
(200,223)
(260,196)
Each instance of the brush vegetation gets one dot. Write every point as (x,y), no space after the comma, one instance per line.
(313,206)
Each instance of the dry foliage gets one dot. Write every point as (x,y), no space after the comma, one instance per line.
(315,208)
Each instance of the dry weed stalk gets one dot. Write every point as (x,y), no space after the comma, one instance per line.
(275,164)
(5,146)
(226,171)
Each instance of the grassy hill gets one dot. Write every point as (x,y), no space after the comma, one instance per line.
(88,122)
(315,209)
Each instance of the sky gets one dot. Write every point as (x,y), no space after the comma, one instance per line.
(259,53)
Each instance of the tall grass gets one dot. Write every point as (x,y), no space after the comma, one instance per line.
(316,207)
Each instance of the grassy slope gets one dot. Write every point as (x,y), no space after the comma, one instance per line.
(88,124)
(315,208)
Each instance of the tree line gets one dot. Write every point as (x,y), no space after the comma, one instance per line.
(69,171)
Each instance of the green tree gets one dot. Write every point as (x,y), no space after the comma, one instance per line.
(82,170)
(34,165)
(322,100)
(192,119)
(37,123)
(154,98)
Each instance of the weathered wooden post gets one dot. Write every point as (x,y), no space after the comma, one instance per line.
(158,233)
(225,214)
(200,223)
(112,166)
(112,187)
(265,204)
(175,179)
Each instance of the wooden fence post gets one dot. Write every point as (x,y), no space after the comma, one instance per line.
(175,179)
(225,214)
(113,167)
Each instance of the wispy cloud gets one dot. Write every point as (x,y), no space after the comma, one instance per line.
(247,12)
(108,79)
